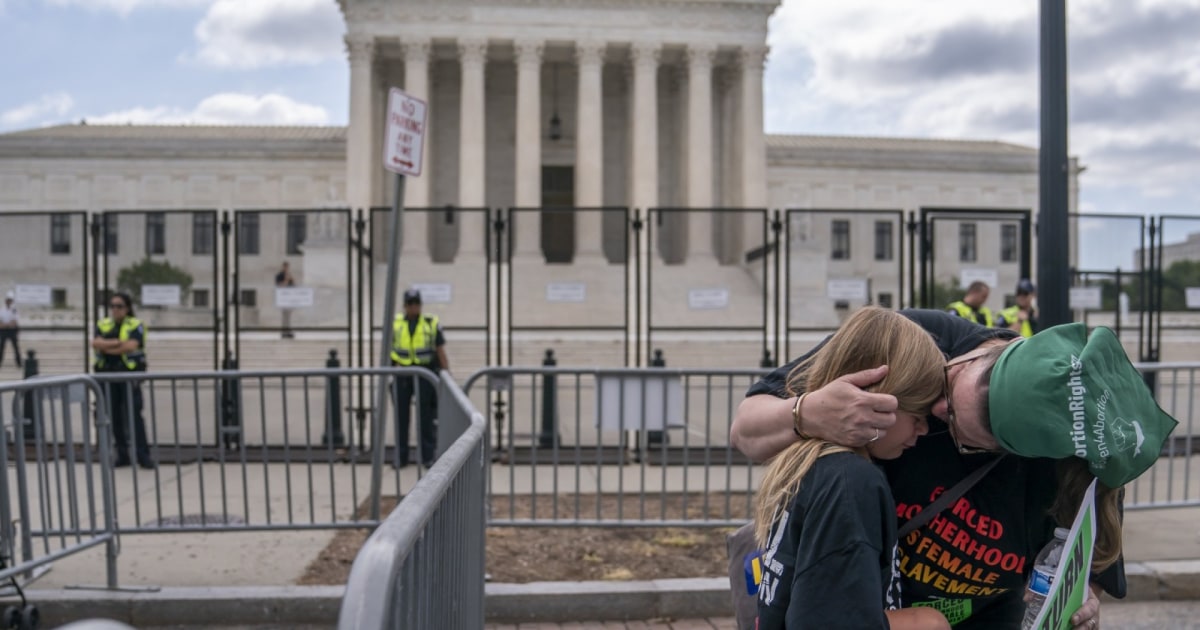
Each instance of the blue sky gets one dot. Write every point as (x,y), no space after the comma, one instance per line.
(913,68)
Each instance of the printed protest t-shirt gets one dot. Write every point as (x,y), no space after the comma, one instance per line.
(970,561)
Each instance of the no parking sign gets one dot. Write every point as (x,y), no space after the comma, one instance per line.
(405,134)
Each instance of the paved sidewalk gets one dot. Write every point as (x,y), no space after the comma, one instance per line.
(1162,553)
(709,623)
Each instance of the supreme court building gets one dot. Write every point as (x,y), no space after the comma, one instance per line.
(618,144)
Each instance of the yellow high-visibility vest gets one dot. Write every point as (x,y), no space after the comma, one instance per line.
(133,361)
(1010,315)
(966,312)
(418,347)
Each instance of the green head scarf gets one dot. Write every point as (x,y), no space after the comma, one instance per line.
(1063,394)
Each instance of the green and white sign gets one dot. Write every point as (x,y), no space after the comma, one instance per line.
(1070,587)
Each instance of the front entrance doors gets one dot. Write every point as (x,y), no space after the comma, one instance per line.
(558,218)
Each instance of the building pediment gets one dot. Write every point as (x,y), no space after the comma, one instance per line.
(731,21)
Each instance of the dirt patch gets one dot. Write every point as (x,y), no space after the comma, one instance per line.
(537,554)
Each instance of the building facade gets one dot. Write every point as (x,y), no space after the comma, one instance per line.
(619,146)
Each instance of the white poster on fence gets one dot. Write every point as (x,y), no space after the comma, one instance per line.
(1084,298)
(1191,296)
(435,292)
(627,402)
(986,276)
(161,294)
(34,294)
(294,297)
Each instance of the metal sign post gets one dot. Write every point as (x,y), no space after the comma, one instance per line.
(402,144)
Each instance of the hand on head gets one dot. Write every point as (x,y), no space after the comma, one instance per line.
(843,412)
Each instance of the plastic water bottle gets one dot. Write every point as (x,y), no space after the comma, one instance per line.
(1042,579)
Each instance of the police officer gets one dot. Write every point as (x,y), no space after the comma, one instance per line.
(119,345)
(417,339)
(1021,316)
(971,306)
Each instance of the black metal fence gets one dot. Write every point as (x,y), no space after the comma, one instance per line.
(605,287)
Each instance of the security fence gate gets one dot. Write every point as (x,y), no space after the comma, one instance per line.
(606,286)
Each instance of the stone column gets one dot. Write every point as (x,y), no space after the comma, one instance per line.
(529,146)
(589,148)
(700,148)
(416,189)
(359,162)
(416,84)
(472,174)
(754,146)
(643,154)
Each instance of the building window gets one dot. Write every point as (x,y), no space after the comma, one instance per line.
(60,234)
(156,233)
(103,296)
(885,299)
(200,298)
(248,297)
(247,234)
(1008,243)
(966,242)
(840,243)
(297,231)
(110,233)
(883,240)
(58,297)
(204,233)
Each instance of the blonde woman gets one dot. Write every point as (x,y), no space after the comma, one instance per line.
(825,518)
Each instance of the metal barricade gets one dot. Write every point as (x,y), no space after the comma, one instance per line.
(272,467)
(423,567)
(56,490)
(1174,480)
(616,447)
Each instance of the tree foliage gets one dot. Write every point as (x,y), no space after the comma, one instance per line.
(1175,282)
(146,271)
(943,293)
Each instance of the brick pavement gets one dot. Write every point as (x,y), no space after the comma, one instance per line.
(712,623)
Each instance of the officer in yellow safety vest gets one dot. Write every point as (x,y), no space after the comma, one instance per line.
(971,307)
(417,340)
(119,347)
(1021,317)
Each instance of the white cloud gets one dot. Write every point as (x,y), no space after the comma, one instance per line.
(225,109)
(947,68)
(53,106)
(125,7)
(240,34)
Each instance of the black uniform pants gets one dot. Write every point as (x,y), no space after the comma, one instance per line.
(7,336)
(125,413)
(402,391)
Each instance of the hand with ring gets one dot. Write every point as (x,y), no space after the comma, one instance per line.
(844,412)
(1088,615)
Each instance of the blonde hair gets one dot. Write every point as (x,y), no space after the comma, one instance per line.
(1074,477)
(871,337)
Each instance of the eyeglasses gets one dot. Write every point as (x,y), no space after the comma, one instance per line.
(117,305)
(952,421)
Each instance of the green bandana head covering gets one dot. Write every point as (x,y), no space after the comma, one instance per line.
(1062,394)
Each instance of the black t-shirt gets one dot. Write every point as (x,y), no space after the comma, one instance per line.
(830,559)
(972,558)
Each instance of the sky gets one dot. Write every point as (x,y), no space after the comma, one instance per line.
(957,69)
